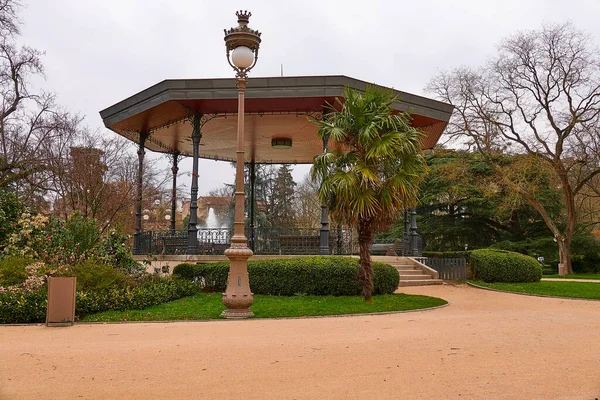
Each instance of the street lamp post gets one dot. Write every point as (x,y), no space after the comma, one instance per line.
(242,45)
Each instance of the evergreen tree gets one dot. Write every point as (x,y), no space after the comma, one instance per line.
(283,213)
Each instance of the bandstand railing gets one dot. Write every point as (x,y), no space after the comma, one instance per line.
(267,241)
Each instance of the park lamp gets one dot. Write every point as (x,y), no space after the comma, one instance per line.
(242,45)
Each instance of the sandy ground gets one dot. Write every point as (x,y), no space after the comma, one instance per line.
(485,345)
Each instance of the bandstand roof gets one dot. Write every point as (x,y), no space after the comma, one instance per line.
(274,107)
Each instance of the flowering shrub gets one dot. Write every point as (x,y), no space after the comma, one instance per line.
(29,238)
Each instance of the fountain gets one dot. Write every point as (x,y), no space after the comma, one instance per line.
(211,220)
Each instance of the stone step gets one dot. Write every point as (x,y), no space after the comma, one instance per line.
(414,277)
(410,272)
(423,282)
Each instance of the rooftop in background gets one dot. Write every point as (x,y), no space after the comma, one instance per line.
(276,108)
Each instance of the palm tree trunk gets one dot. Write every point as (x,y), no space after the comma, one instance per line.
(365,269)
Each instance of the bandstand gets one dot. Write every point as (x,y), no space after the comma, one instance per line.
(198,118)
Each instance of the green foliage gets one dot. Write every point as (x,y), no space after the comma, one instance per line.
(463,200)
(11,209)
(94,275)
(71,241)
(114,251)
(335,276)
(380,174)
(138,298)
(12,270)
(585,254)
(24,307)
(504,266)
(283,210)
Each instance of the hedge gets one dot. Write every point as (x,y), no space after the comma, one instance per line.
(26,307)
(318,276)
(504,266)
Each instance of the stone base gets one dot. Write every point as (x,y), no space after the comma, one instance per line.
(562,269)
(237,313)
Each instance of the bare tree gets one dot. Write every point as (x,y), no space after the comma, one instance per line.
(33,129)
(540,96)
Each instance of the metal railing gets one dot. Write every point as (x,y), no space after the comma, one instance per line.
(453,269)
(285,241)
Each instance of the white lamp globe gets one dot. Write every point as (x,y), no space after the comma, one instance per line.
(242,57)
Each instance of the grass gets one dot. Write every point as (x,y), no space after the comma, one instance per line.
(578,290)
(205,306)
(574,276)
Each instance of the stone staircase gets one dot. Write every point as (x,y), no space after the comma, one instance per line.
(411,272)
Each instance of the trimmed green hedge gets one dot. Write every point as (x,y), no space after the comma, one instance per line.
(504,266)
(318,276)
(29,307)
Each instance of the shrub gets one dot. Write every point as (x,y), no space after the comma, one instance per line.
(13,271)
(335,276)
(114,251)
(95,275)
(504,266)
(138,298)
(26,307)
(23,307)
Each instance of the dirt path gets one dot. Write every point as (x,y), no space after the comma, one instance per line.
(485,345)
(571,280)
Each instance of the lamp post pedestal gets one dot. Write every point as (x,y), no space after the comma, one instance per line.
(238,297)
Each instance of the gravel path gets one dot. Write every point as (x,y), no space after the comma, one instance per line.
(485,345)
(571,280)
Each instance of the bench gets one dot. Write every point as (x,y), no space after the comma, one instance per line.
(299,244)
(174,244)
(389,248)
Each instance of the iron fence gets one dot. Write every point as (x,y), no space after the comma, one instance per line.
(453,269)
(284,241)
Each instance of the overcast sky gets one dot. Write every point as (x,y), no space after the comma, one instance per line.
(99,52)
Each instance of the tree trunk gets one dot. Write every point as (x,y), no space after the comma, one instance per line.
(564,253)
(365,269)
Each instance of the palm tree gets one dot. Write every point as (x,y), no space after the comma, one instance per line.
(374,173)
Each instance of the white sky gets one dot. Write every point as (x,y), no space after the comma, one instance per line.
(99,52)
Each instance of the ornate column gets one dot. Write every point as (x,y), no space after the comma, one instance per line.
(192,228)
(324,231)
(252,201)
(175,170)
(238,297)
(138,202)
(242,44)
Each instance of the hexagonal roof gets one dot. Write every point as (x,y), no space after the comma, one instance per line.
(274,108)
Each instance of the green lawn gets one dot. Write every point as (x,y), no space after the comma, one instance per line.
(574,276)
(580,290)
(208,306)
